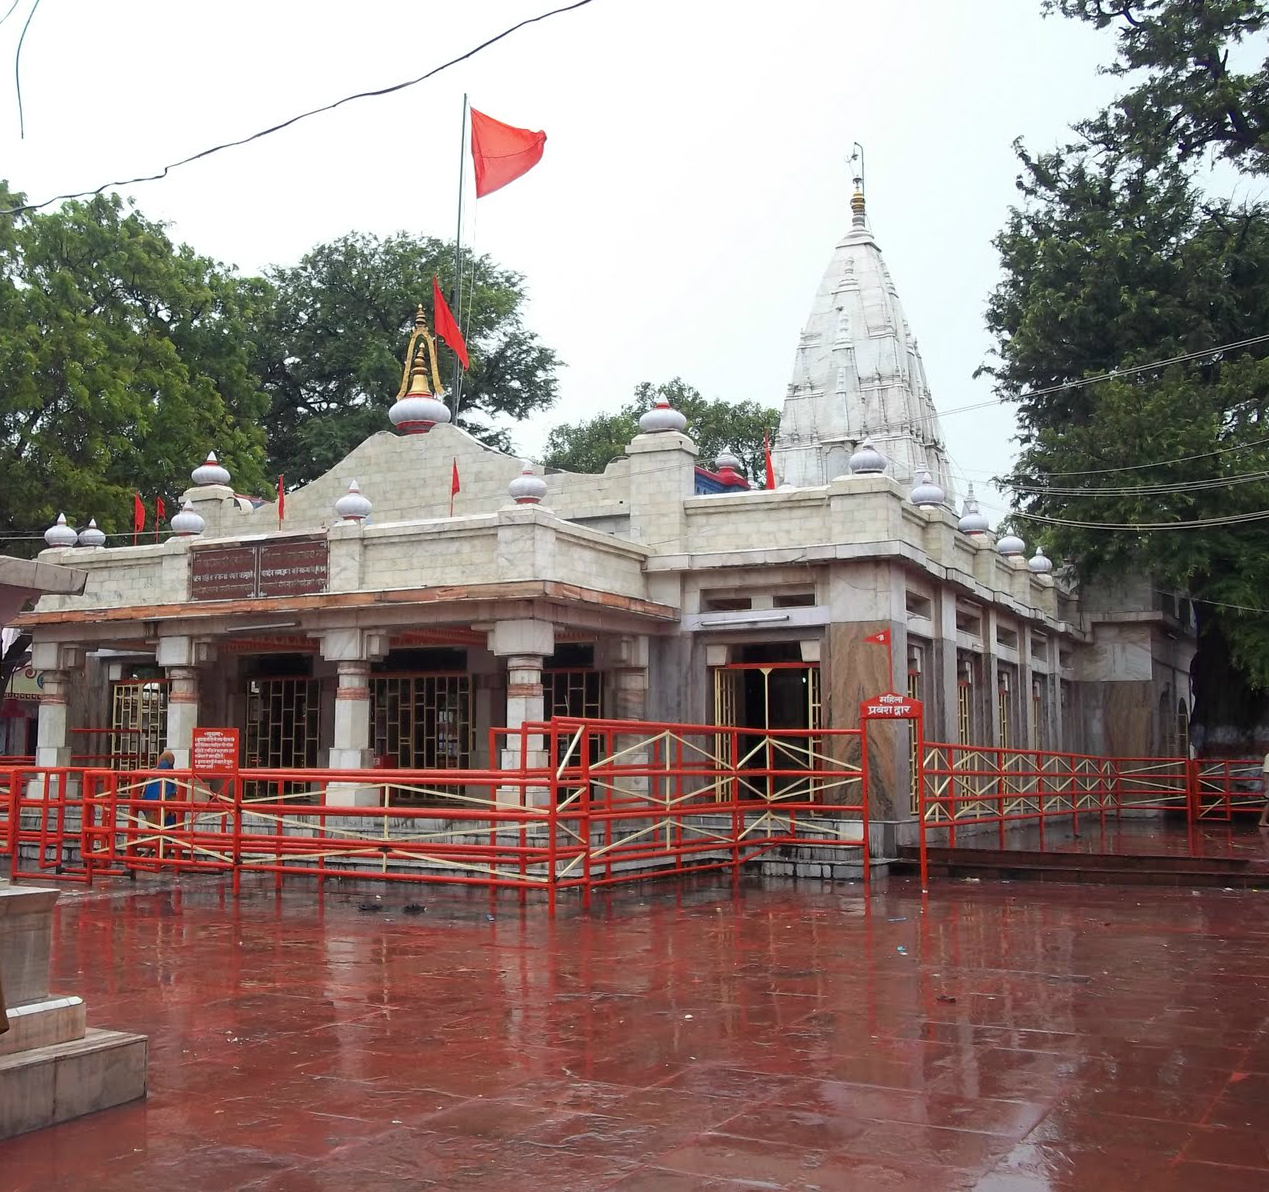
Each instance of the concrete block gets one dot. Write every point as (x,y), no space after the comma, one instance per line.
(67,1080)
(26,927)
(44,1024)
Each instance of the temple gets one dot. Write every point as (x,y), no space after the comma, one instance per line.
(384,621)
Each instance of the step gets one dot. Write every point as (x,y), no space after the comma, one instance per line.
(67,1080)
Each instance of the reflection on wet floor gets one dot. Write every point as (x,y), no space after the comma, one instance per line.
(1000,1038)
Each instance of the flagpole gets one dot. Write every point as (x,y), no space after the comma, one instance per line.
(458,256)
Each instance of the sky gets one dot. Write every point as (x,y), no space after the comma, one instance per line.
(694,182)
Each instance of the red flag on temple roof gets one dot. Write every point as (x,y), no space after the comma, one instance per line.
(454,485)
(501,152)
(160,512)
(281,499)
(766,447)
(138,516)
(447,325)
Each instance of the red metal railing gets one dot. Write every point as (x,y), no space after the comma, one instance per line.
(1224,788)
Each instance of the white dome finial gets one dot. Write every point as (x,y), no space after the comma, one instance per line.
(662,417)
(210,471)
(972,519)
(528,488)
(90,535)
(927,494)
(60,534)
(187,523)
(353,506)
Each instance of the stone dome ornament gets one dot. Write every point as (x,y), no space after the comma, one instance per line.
(927,494)
(60,534)
(1039,562)
(528,488)
(662,417)
(972,519)
(353,506)
(418,407)
(1011,546)
(726,462)
(187,523)
(867,460)
(210,471)
(90,535)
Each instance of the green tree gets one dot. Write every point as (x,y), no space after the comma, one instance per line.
(1115,259)
(713,425)
(123,359)
(333,341)
(1188,94)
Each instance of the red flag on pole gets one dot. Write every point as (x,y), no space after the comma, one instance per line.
(880,639)
(454,485)
(281,499)
(160,512)
(766,447)
(138,516)
(501,152)
(446,325)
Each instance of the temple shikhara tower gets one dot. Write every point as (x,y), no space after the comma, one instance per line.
(858,376)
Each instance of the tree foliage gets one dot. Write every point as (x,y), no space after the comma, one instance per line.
(123,359)
(713,425)
(1114,259)
(332,346)
(1189,93)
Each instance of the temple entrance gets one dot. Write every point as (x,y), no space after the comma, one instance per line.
(421,721)
(138,726)
(283,717)
(775,692)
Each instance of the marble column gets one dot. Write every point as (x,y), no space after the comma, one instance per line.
(182,712)
(525,644)
(352,651)
(53,735)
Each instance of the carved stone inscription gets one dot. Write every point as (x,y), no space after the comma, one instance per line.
(283,567)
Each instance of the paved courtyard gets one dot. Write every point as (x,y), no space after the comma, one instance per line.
(1001,1038)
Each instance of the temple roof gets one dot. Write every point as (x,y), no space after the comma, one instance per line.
(858,373)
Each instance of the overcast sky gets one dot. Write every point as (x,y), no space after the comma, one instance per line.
(694,182)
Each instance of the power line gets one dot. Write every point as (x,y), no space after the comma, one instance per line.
(1145,490)
(1242,608)
(1137,527)
(17,75)
(1113,375)
(330,107)
(8,14)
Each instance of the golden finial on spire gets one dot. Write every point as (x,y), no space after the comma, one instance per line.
(420,361)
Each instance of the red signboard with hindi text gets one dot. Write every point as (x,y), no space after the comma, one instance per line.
(214,751)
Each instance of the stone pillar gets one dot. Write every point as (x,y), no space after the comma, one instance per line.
(525,644)
(350,749)
(352,651)
(57,661)
(180,656)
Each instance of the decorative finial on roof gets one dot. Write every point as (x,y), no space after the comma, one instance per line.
(187,523)
(926,494)
(662,417)
(60,534)
(857,177)
(1011,546)
(528,488)
(211,471)
(867,460)
(418,407)
(353,506)
(90,535)
(972,519)
(1040,563)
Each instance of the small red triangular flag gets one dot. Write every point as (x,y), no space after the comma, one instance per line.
(446,325)
(501,152)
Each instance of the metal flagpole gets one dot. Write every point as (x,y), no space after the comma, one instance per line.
(458,258)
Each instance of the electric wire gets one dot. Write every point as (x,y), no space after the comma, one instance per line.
(1138,527)
(17,72)
(8,14)
(264,132)
(1145,490)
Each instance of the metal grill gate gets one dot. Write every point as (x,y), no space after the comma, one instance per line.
(138,723)
(422,721)
(282,723)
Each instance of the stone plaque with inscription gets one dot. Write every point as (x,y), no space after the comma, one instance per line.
(283,567)
(223,573)
(292,567)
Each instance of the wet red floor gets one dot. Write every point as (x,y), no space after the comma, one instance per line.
(1009,1038)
